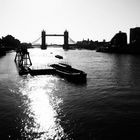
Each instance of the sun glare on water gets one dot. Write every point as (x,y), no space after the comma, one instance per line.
(41,109)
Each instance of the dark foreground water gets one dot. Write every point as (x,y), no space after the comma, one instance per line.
(50,108)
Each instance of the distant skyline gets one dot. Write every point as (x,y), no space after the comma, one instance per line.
(93,19)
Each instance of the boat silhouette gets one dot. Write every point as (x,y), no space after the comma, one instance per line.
(70,73)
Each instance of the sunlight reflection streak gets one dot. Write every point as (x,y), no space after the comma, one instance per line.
(41,108)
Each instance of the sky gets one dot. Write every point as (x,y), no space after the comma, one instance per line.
(93,19)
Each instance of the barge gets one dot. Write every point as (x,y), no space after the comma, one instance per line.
(71,74)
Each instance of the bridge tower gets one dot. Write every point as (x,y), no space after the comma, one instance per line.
(43,36)
(66,37)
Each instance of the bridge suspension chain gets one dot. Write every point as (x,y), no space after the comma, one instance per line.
(71,40)
(36,40)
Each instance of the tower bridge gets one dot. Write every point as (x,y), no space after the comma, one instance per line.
(43,37)
(65,35)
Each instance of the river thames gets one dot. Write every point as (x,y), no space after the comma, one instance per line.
(48,107)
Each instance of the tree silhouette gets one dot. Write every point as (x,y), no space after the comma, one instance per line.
(10,43)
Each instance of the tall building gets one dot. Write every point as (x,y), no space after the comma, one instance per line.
(135,35)
(119,40)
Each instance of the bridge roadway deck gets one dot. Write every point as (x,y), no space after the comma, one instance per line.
(54,35)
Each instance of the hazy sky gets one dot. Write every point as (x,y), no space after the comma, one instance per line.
(93,19)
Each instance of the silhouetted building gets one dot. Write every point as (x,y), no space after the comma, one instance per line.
(86,44)
(135,35)
(119,40)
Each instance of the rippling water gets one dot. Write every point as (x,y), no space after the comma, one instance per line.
(48,107)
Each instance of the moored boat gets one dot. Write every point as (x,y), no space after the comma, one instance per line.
(70,73)
(59,56)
